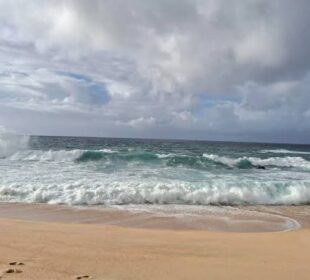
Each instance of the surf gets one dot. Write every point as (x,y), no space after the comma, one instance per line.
(203,162)
(134,191)
(89,172)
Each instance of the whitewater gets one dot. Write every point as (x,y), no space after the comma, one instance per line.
(106,172)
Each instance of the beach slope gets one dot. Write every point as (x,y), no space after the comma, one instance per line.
(65,251)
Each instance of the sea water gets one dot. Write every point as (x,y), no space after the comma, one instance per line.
(109,171)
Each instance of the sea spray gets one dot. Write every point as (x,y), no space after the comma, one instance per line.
(11,142)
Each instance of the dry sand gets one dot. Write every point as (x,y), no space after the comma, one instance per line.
(61,250)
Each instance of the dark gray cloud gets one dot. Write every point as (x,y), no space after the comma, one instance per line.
(179,68)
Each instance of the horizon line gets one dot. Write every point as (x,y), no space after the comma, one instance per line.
(173,139)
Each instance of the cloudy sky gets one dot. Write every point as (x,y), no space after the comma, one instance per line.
(198,69)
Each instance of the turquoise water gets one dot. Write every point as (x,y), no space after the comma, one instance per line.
(107,171)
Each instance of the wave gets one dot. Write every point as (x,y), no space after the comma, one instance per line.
(205,161)
(165,155)
(108,151)
(59,155)
(85,155)
(247,162)
(11,142)
(213,192)
(284,151)
(39,155)
(96,155)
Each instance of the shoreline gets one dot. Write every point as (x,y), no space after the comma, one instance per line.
(172,217)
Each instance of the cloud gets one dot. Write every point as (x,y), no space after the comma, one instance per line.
(178,68)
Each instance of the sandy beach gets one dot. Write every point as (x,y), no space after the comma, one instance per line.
(154,140)
(63,250)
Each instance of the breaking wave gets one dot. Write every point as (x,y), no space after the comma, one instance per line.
(247,162)
(39,155)
(284,151)
(205,161)
(59,155)
(212,192)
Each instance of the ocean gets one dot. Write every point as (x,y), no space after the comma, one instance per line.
(125,172)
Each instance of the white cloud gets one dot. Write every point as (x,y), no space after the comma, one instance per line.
(129,65)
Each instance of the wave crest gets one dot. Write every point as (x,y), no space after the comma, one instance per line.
(297,162)
(284,151)
(205,161)
(213,192)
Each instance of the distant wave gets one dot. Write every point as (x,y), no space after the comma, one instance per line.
(50,155)
(213,192)
(205,161)
(58,155)
(85,155)
(284,151)
(247,162)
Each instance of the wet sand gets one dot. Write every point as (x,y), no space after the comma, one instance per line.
(211,218)
(75,243)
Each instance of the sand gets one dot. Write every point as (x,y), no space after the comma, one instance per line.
(62,250)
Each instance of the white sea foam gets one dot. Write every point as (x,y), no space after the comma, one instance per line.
(52,155)
(218,192)
(39,155)
(297,162)
(164,155)
(284,151)
(108,151)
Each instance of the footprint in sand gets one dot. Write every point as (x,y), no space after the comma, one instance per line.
(83,277)
(13,270)
(16,263)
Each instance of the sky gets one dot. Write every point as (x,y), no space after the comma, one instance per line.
(235,70)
